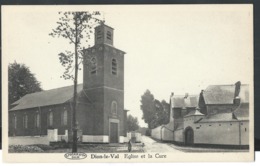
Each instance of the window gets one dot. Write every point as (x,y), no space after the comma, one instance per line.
(93,69)
(109,35)
(114,107)
(64,117)
(114,67)
(37,120)
(15,122)
(99,35)
(50,119)
(25,121)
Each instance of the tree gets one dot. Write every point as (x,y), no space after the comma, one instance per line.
(76,27)
(158,116)
(132,123)
(148,108)
(155,113)
(162,113)
(166,112)
(20,82)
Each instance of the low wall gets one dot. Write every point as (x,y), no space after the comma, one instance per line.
(95,138)
(178,135)
(64,137)
(223,133)
(244,131)
(134,134)
(156,133)
(126,139)
(167,132)
(164,132)
(28,140)
(53,135)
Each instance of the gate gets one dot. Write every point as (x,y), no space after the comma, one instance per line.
(189,136)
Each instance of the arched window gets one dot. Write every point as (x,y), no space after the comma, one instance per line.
(93,63)
(109,35)
(64,117)
(114,107)
(114,67)
(25,121)
(37,120)
(50,119)
(15,122)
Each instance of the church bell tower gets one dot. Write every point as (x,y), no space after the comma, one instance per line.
(103,83)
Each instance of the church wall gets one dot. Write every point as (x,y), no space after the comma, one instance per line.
(57,111)
(111,95)
(31,129)
(20,130)
(97,79)
(85,118)
(96,97)
(110,80)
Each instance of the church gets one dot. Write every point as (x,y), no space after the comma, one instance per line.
(46,116)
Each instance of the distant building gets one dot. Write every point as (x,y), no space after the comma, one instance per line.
(46,116)
(218,116)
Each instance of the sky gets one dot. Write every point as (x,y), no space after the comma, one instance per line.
(169,48)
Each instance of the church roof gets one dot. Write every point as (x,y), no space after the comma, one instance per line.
(224,94)
(183,102)
(45,98)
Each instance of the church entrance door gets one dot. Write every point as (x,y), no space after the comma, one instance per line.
(113,135)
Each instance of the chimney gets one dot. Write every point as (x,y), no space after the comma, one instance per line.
(236,100)
(172,94)
(237,88)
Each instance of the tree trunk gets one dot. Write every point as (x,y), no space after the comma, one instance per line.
(74,121)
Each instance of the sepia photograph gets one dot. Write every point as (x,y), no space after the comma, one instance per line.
(135,83)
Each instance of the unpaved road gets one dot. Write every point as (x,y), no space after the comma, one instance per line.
(153,146)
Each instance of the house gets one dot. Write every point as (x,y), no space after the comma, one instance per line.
(46,116)
(219,116)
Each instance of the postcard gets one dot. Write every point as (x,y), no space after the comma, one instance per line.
(127,83)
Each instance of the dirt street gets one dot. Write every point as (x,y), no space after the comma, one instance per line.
(153,146)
